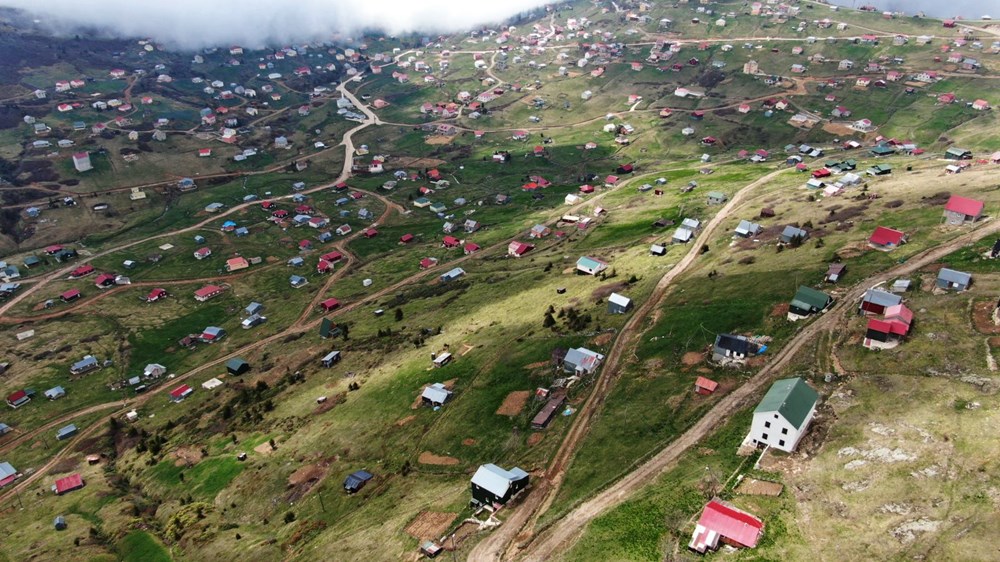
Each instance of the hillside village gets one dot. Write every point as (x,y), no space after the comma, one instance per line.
(612,280)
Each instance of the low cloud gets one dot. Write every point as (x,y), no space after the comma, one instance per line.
(193,24)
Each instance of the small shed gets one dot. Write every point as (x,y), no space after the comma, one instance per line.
(357,480)
(330,359)
(717,197)
(705,386)
(237,366)
(435,395)
(55,393)
(619,304)
(953,280)
(66,432)
(834,272)
(657,250)
(59,523)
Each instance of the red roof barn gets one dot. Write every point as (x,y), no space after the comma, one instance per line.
(68,484)
(70,295)
(180,393)
(82,270)
(705,386)
(329,304)
(721,521)
(886,238)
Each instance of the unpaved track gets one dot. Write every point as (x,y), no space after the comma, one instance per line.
(495,546)
(562,534)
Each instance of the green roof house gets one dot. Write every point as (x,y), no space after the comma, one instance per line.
(807,301)
(783,416)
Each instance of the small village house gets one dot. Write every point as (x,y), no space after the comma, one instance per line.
(834,272)
(435,395)
(960,210)
(733,349)
(552,406)
(783,416)
(875,301)
(590,266)
(886,239)
(952,280)
(357,480)
(237,366)
(619,304)
(68,484)
(581,361)
(494,486)
(705,386)
(808,301)
(722,522)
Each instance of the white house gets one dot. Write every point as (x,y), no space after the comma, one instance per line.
(783,416)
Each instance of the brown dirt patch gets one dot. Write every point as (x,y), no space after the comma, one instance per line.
(405,421)
(186,456)
(982,317)
(838,129)
(406,162)
(603,339)
(514,403)
(604,291)
(303,479)
(428,457)
(535,438)
(537,365)
(67,464)
(263,449)
(438,139)
(468,441)
(330,402)
(430,524)
(779,310)
(464,531)
(754,487)
(272,259)
(692,358)
(466,348)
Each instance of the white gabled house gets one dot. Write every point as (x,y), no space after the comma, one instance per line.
(783,416)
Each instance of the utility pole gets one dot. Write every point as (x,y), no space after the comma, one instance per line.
(319,494)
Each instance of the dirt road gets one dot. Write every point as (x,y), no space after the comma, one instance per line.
(561,535)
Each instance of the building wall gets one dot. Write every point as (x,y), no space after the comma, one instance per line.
(774,434)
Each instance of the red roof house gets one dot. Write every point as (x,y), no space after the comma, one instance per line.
(104,280)
(371,233)
(900,316)
(329,304)
(406,239)
(156,294)
(428,263)
(434,174)
(886,238)
(705,386)
(722,521)
(68,484)
(586,189)
(180,393)
(207,292)
(470,247)
(70,295)
(324,267)
(54,249)
(518,249)
(450,242)
(332,257)
(611,181)
(82,270)
(960,209)
(822,173)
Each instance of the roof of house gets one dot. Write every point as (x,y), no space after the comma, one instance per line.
(884,236)
(590,263)
(732,523)
(793,231)
(737,344)
(748,227)
(808,298)
(436,393)
(899,312)
(180,391)
(357,478)
(792,398)
(236,363)
(7,470)
(964,205)
(952,276)
(707,384)
(495,479)
(68,483)
(582,357)
(881,298)
(620,300)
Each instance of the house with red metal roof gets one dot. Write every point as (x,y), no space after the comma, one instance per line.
(329,304)
(406,238)
(69,295)
(886,239)
(18,399)
(332,257)
(722,522)
(82,271)
(884,334)
(470,248)
(202,253)
(156,294)
(450,242)
(207,292)
(104,280)
(960,210)
(181,392)
(427,263)
(68,484)
(518,249)
(705,386)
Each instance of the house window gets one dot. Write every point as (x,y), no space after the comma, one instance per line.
(775,416)
(781,443)
(784,431)
(767,424)
(763,437)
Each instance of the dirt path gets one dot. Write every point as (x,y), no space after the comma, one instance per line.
(561,535)
(540,498)
(61,420)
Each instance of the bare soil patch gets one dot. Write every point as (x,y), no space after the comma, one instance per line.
(603,339)
(263,449)
(754,487)
(428,457)
(430,524)
(303,479)
(405,421)
(186,456)
(514,403)
(66,464)
(464,531)
(604,291)
(438,140)
(537,365)
(779,310)
(407,162)
(535,438)
(838,129)
(692,358)
(982,317)
(468,441)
